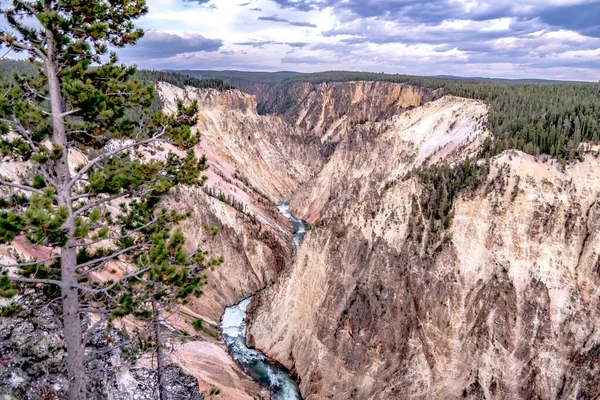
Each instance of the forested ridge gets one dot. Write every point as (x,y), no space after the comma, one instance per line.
(181,80)
(9,67)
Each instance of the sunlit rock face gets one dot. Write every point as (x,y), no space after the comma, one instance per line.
(508,308)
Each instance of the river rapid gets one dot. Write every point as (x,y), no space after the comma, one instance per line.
(255,364)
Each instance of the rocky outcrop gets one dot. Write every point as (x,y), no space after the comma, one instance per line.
(33,357)
(139,384)
(374,155)
(506,309)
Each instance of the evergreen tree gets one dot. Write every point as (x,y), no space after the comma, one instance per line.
(81,101)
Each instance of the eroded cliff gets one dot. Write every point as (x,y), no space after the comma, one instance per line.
(507,308)
(329,110)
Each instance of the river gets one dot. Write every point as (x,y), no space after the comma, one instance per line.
(254,363)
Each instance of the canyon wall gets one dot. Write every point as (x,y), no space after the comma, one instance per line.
(267,155)
(328,110)
(507,308)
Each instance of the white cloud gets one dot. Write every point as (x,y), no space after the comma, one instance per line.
(504,38)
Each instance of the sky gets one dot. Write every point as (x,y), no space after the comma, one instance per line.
(551,39)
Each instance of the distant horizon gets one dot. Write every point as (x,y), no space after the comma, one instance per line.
(500,39)
(491,78)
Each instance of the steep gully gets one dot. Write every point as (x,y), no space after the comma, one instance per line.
(254,363)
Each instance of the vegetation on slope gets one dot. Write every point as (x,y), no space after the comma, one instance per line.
(242,77)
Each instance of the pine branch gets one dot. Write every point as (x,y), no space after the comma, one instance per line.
(22,187)
(111,153)
(110,257)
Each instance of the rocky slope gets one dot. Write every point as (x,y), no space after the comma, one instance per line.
(507,309)
(31,364)
(260,154)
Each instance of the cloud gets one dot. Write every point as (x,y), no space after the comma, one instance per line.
(503,38)
(302,5)
(156,44)
(260,44)
(199,2)
(582,18)
(274,18)
(302,60)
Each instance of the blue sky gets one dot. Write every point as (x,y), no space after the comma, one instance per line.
(556,39)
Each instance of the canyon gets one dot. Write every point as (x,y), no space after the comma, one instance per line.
(508,306)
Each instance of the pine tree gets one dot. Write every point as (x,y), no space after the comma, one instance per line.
(82,101)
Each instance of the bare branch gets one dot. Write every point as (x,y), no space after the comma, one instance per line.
(81,196)
(95,204)
(96,327)
(71,112)
(116,238)
(28,6)
(39,281)
(111,153)
(22,187)
(31,49)
(93,310)
(5,54)
(21,130)
(96,268)
(30,264)
(114,284)
(110,257)
(121,345)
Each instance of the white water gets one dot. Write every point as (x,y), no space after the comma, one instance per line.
(298,225)
(255,364)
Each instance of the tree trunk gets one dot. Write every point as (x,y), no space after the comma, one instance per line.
(72,329)
(70,294)
(160,367)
